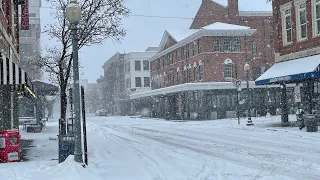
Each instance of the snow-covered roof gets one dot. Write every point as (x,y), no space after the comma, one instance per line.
(224,26)
(249,5)
(180,34)
(189,35)
(193,87)
(292,67)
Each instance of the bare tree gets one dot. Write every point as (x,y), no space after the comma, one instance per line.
(101,20)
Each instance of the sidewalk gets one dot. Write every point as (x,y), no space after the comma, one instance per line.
(38,146)
(26,145)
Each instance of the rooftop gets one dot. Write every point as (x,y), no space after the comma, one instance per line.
(249,5)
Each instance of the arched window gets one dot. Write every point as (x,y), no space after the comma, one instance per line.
(200,70)
(228,69)
(194,71)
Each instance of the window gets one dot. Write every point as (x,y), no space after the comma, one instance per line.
(227,45)
(286,23)
(228,69)
(193,49)
(199,46)
(32,15)
(189,73)
(188,51)
(253,48)
(25,49)
(128,83)
(176,55)
(301,13)
(316,17)
(236,44)
(162,62)
(178,77)
(194,73)
(217,45)
(25,33)
(138,81)
(145,65)
(137,65)
(184,76)
(146,82)
(183,52)
(171,58)
(164,80)
(200,71)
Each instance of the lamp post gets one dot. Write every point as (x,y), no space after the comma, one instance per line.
(247,69)
(73,15)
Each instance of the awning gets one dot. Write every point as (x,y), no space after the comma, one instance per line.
(291,71)
(13,76)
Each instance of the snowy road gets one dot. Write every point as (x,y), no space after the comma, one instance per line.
(154,149)
(124,148)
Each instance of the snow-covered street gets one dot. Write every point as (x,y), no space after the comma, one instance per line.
(135,148)
(156,149)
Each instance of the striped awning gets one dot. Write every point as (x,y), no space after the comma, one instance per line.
(14,76)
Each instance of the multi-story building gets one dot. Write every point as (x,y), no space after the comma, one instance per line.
(297,51)
(113,85)
(137,69)
(29,41)
(137,73)
(193,68)
(13,79)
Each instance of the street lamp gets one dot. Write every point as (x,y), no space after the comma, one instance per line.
(247,69)
(73,15)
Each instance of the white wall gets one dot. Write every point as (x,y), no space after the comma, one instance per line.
(137,56)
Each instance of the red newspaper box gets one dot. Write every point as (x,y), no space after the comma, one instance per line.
(9,146)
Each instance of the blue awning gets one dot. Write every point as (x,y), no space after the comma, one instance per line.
(291,71)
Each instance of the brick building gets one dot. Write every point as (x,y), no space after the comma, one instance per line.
(297,51)
(112,84)
(14,81)
(192,72)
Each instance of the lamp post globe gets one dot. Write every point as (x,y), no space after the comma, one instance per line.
(246,67)
(73,12)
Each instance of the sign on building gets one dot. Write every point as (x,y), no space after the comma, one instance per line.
(297,94)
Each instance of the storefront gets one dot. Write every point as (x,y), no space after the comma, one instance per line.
(208,100)
(14,83)
(304,74)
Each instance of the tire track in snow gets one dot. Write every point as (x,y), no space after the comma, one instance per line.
(252,163)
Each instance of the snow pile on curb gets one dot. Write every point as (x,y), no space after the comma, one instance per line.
(68,170)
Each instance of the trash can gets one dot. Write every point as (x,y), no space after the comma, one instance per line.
(66,147)
(311,123)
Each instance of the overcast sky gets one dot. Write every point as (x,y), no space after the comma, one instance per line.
(142,32)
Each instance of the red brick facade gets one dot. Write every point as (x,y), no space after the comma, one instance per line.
(6,21)
(213,62)
(296,46)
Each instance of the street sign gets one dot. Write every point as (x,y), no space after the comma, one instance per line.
(297,94)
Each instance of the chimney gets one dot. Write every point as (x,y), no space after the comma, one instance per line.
(233,8)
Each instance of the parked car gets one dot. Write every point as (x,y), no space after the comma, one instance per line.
(102,112)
